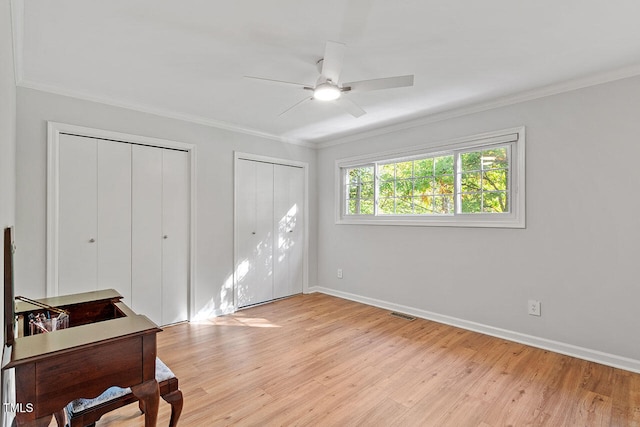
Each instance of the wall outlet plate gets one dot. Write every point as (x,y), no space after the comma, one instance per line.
(534,307)
(339,273)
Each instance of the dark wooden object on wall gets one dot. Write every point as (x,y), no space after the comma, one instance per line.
(9,316)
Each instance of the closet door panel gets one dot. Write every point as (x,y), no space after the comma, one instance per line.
(175,243)
(297,235)
(146,236)
(264,247)
(245,229)
(288,230)
(114,217)
(77,221)
(254,216)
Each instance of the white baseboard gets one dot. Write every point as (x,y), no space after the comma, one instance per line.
(543,343)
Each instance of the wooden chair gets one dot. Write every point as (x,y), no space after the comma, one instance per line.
(85,412)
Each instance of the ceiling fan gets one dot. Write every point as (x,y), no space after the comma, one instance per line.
(329,88)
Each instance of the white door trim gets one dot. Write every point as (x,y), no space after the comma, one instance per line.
(305,257)
(54,129)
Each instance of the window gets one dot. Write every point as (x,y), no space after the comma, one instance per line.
(416,187)
(476,181)
(484,180)
(360,190)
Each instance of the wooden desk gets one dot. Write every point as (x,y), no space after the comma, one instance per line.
(55,368)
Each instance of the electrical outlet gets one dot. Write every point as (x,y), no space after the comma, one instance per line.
(534,307)
(339,273)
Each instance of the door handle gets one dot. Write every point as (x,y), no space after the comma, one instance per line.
(92,240)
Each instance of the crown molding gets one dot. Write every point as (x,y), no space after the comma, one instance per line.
(160,112)
(542,92)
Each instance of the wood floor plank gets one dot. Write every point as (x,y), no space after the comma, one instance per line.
(317,360)
(386,413)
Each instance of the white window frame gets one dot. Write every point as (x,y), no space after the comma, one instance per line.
(515,218)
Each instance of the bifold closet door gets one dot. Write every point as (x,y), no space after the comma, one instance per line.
(254,228)
(114,217)
(270,231)
(160,234)
(175,238)
(77,215)
(288,204)
(146,237)
(94,222)
(123,223)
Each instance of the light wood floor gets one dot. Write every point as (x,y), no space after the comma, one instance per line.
(322,361)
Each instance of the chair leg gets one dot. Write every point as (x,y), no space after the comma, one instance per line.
(175,400)
(60,418)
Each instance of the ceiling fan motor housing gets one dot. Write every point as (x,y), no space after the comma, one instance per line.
(327,91)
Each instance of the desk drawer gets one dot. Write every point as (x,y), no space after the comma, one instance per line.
(87,372)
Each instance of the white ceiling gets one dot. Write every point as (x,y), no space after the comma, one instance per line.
(187,58)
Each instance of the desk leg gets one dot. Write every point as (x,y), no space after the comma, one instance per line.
(61,418)
(149,393)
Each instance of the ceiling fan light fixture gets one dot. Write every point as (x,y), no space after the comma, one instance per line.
(329,87)
(326,92)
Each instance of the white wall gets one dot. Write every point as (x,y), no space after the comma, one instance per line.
(214,261)
(7,124)
(7,152)
(579,254)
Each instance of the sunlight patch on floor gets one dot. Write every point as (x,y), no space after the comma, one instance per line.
(238,319)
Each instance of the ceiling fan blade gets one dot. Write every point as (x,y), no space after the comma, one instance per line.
(332,60)
(295,105)
(351,107)
(377,84)
(278,81)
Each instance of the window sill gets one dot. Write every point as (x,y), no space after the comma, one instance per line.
(481,221)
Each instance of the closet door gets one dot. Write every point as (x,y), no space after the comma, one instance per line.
(175,242)
(146,236)
(288,187)
(122,221)
(254,227)
(94,223)
(77,210)
(114,217)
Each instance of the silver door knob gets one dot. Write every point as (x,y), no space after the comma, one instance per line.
(165,237)
(289,231)
(92,240)
(253,232)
